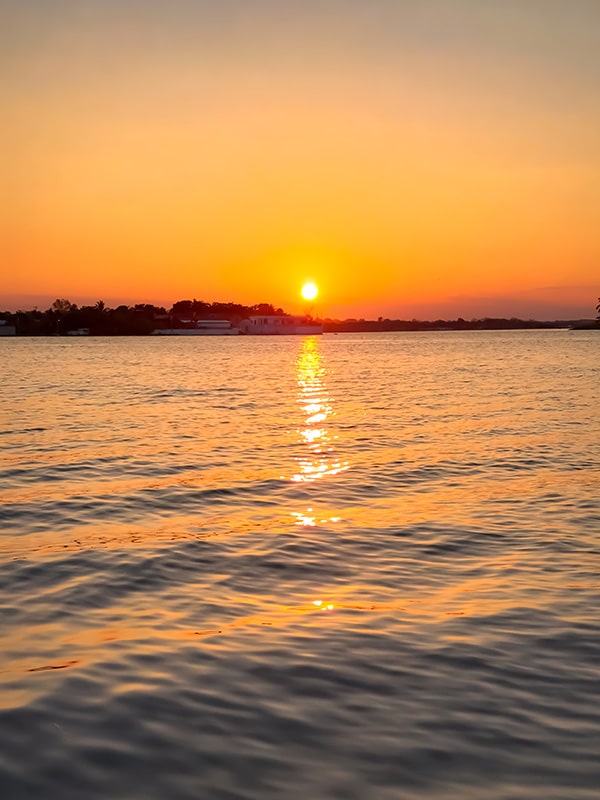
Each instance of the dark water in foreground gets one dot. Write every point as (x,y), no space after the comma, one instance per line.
(338,567)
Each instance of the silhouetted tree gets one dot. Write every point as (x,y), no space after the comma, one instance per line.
(185,307)
(61,306)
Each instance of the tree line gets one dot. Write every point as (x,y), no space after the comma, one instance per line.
(485,323)
(143,318)
(137,320)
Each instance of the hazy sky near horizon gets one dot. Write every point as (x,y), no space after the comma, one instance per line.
(403,155)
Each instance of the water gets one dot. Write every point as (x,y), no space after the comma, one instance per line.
(339,567)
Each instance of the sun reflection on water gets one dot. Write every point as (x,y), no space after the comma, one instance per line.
(318,459)
(309,519)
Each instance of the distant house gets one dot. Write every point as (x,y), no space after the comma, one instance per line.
(279,325)
(7,330)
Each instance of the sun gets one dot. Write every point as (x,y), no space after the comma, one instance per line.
(310,291)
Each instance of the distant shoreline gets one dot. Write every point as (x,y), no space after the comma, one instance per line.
(64,318)
(369,326)
(331,329)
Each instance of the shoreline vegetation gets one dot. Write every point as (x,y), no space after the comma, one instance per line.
(65,318)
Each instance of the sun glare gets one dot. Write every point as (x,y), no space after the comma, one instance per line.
(309,291)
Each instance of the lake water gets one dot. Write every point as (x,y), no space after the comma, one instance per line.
(350,566)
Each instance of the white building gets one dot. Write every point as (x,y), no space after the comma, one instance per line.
(200,327)
(274,325)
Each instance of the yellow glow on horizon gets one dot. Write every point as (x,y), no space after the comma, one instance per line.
(309,291)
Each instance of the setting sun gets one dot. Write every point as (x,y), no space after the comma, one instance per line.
(309,291)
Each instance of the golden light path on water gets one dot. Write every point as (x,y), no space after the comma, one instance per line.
(318,461)
(316,405)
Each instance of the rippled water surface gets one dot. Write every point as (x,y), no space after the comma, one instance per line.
(327,567)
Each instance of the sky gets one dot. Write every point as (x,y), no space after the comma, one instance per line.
(416,158)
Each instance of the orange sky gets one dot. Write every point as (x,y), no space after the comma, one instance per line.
(411,158)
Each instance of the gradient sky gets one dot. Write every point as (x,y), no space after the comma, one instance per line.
(413,158)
